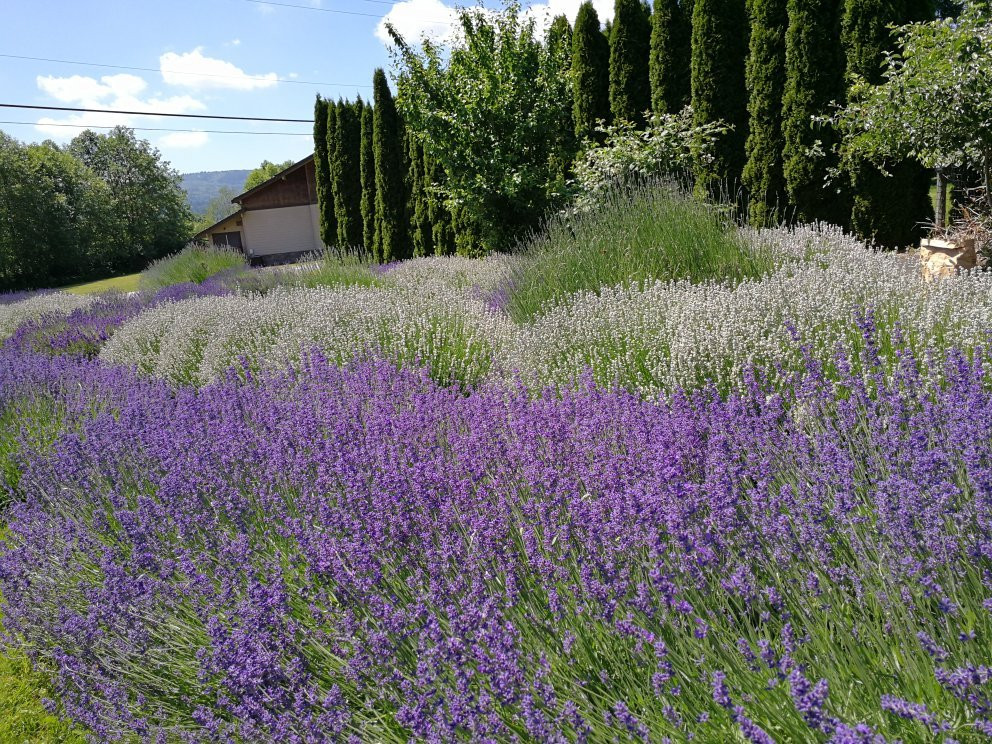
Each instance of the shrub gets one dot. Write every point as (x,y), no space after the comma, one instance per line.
(198,340)
(335,269)
(639,236)
(661,336)
(360,553)
(35,306)
(194,263)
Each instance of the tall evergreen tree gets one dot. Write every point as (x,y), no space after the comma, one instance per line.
(332,141)
(888,211)
(422,233)
(671,55)
(322,173)
(560,60)
(590,72)
(443,234)
(367,166)
(763,176)
(814,77)
(719,93)
(630,51)
(345,176)
(391,241)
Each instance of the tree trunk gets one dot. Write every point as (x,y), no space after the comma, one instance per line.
(941,207)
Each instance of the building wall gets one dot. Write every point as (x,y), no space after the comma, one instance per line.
(280,230)
(293,190)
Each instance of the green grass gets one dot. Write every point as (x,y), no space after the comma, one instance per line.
(346,269)
(649,233)
(128,283)
(194,263)
(23,718)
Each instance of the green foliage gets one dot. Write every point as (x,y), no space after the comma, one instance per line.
(590,73)
(219,207)
(886,210)
(438,215)
(338,269)
(667,147)
(638,236)
(422,233)
(102,205)
(322,171)
(559,44)
(935,101)
(814,78)
(264,172)
(23,717)
(719,51)
(367,168)
(763,175)
(390,241)
(346,174)
(630,51)
(671,55)
(194,263)
(151,216)
(486,112)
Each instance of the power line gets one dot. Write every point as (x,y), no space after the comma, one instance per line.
(152,113)
(178,72)
(333,10)
(156,129)
(311,7)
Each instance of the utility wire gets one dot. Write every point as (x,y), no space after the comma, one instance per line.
(332,10)
(152,113)
(178,72)
(157,129)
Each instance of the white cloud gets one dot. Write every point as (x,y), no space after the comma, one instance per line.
(415,19)
(109,92)
(234,42)
(184,139)
(193,70)
(544,13)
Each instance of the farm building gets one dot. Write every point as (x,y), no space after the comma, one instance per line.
(276,221)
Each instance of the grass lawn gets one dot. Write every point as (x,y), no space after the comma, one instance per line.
(128,283)
(24,718)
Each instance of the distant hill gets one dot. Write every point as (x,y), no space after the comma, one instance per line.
(204,186)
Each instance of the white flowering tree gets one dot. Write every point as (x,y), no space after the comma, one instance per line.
(935,102)
(668,146)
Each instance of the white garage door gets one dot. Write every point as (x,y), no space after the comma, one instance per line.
(280,230)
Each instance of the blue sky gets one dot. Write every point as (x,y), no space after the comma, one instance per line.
(230,57)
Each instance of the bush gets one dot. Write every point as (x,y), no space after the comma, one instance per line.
(335,269)
(194,263)
(650,233)
(359,553)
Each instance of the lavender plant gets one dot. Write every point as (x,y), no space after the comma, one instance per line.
(358,553)
(197,341)
(34,305)
(670,335)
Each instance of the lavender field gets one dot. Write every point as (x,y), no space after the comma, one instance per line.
(253,509)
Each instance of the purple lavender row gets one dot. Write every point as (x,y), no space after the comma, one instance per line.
(360,554)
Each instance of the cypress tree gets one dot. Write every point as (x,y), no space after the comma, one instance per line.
(322,175)
(391,235)
(814,76)
(560,60)
(367,166)
(422,234)
(328,213)
(888,211)
(671,53)
(719,52)
(763,176)
(590,72)
(345,176)
(443,235)
(630,51)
